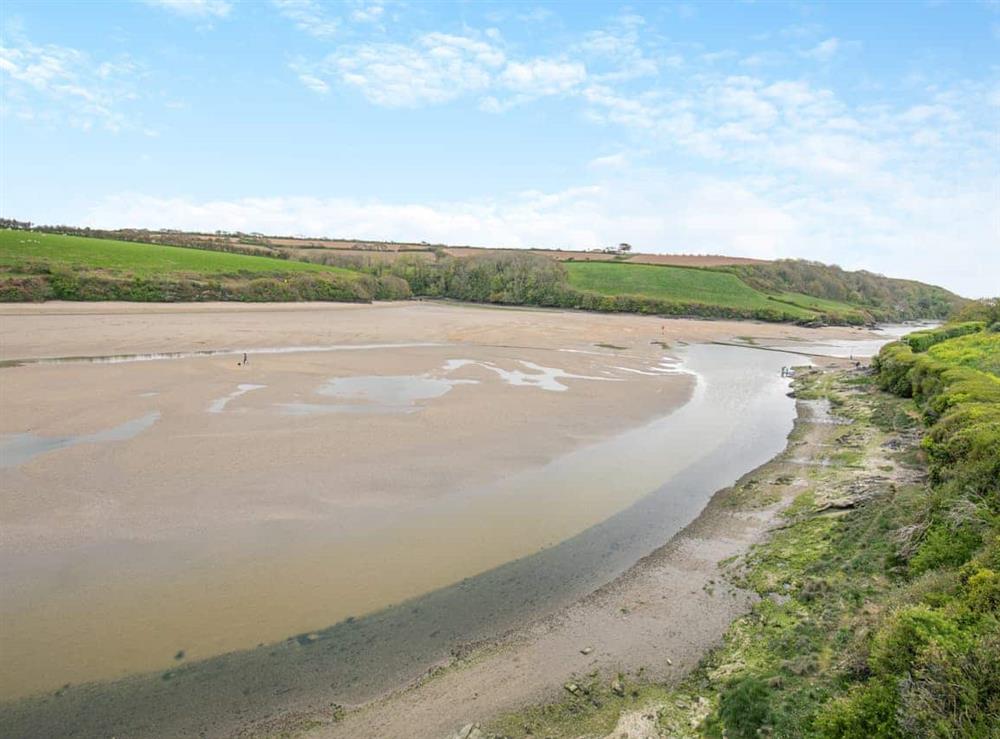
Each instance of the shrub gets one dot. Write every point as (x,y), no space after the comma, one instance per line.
(944,546)
(866,712)
(955,693)
(900,643)
(744,707)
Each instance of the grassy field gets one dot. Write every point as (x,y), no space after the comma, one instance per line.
(39,266)
(822,305)
(18,249)
(677,284)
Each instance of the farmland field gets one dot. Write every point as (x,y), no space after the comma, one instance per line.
(19,248)
(813,303)
(678,284)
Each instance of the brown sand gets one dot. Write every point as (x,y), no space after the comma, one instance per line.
(210,532)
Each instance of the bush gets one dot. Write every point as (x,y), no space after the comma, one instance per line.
(745,707)
(921,341)
(900,643)
(955,693)
(944,546)
(866,712)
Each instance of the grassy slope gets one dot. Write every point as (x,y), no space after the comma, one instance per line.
(674,284)
(19,248)
(823,305)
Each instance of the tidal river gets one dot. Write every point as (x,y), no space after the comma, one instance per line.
(519,547)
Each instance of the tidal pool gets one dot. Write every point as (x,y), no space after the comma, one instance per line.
(219,404)
(16,449)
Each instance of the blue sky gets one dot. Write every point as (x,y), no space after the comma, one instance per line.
(862,134)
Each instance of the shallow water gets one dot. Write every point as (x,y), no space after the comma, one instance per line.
(395,391)
(219,404)
(531,538)
(861,348)
(546,378)
(159,356)
(17,449)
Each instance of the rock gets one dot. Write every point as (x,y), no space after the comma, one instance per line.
(670,661)
(586,650)
(469,731)
(572,688)
(617,687)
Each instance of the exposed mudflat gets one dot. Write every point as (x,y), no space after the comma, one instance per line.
(175,504)
(660,617)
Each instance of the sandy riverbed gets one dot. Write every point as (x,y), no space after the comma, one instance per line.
(192,505)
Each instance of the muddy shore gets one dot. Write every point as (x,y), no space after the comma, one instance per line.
(657,620)
(607,387)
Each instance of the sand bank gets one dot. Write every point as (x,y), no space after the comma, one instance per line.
(274,499)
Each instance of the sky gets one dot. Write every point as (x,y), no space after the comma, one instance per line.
(855,133)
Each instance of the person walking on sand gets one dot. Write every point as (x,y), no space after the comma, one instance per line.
(244,359)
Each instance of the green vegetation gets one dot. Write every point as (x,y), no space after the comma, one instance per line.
(676,284)
(141,260)
(979,351)
(698,290)
(38,266)
(530,279)
(45,263)
(850,313)
(879,610)
(885,298)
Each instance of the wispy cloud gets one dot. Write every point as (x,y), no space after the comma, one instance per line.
(197,9)
(437,68)
(826,50)
(368,12)
(440,67)
(311,17)
(58,84)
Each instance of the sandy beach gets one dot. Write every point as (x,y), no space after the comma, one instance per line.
(158,511)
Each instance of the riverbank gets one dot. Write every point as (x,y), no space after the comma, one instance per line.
(653,625)
(757,585)
(223,545)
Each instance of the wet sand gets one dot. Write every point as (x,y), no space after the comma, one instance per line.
(260,503)
(658,620)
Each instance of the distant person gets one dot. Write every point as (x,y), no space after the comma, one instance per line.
(244,359)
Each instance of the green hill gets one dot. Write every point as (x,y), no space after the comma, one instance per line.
(700,286)
(46,263)
(885,298)
(41,266)
(21,248)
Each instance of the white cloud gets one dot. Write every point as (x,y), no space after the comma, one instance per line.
(535,15)
(368,12)
(824,51)
(201,9)
(610,161)
(903,231)
(537,77)
(440,67)
(62,85)
(618,53)
(677,215)
(437,68)
(309,16)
